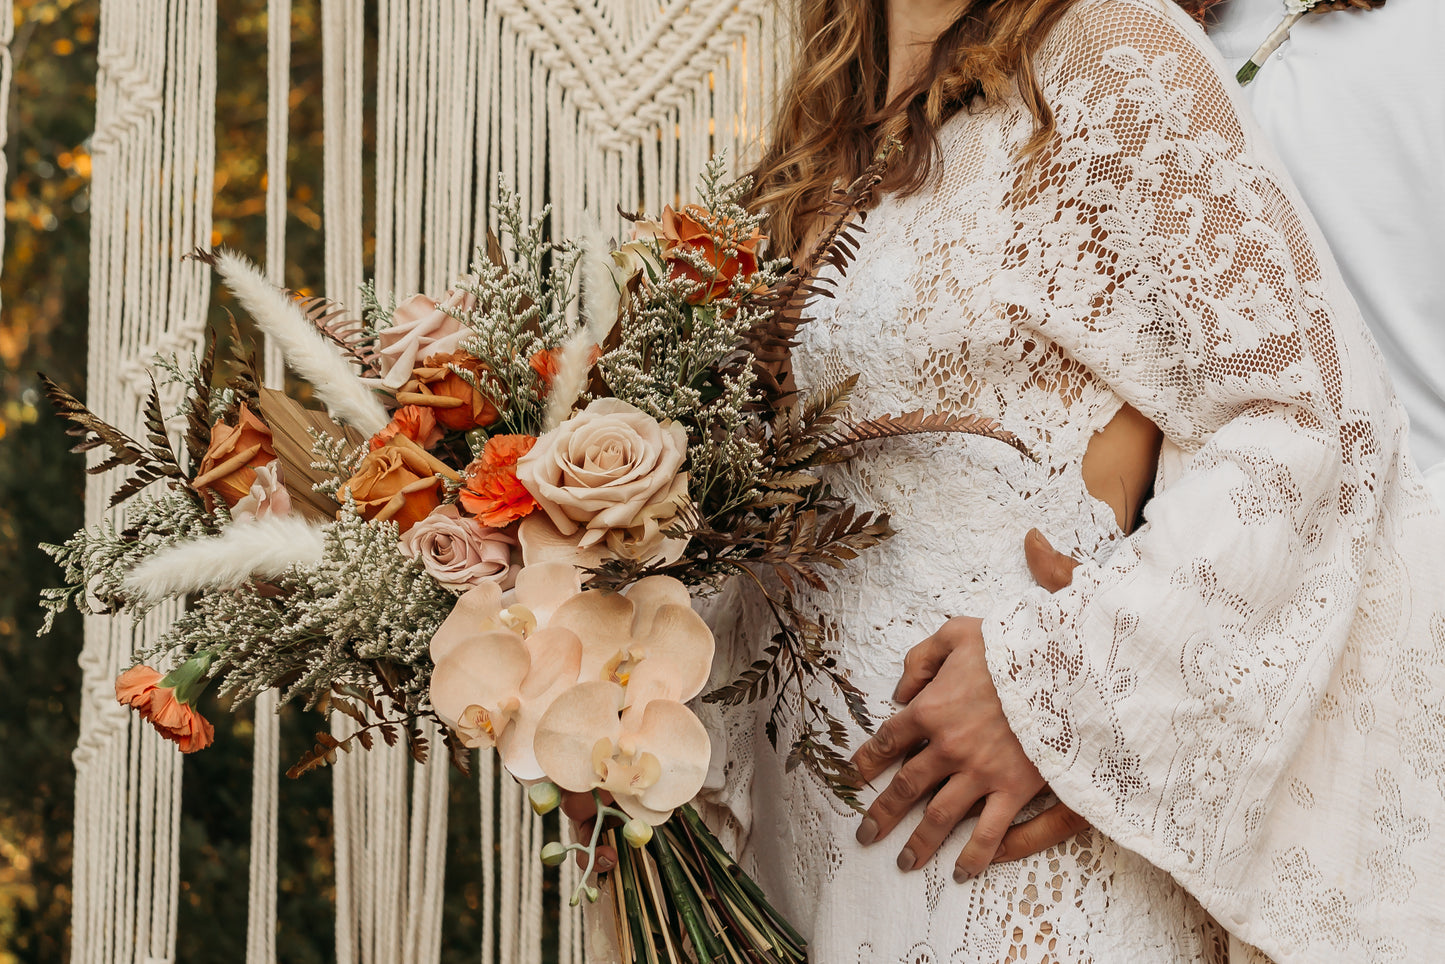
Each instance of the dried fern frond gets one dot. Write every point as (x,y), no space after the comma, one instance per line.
(771,341)
(149,462)
(840,446)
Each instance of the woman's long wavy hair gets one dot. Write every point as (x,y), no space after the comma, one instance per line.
(834,120)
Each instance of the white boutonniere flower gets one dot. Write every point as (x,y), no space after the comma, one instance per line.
(1294,10)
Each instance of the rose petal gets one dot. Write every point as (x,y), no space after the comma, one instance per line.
(571,728)
(543,542)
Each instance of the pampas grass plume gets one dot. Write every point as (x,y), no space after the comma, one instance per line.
(263,548)
(600,302)
(306,351)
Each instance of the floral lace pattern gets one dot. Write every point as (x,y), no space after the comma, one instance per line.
(1155,255)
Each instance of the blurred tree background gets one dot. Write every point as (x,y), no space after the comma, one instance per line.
(43,328)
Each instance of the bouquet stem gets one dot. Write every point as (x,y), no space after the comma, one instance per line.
(682,884)
(1270,45)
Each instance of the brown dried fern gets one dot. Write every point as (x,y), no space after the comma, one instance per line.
(840,446)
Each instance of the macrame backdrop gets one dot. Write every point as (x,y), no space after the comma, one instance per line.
(584,104)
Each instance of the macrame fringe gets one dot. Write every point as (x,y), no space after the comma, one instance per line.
(153,155)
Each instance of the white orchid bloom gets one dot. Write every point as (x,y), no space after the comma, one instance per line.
(647,639)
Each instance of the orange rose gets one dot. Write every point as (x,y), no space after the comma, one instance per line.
(683,230)
(228,468)
(396,482)
(166,701)
(416,422)
(492,492)
(454,403)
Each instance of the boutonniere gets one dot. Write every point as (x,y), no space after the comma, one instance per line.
(1294,10)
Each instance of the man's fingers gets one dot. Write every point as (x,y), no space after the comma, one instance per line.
(1051,569)
(998,812)
(897,737)
(1048,829)
(949,806)
(917,778)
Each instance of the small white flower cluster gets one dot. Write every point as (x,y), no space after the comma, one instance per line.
(522,307)
(96,560)
(365,601)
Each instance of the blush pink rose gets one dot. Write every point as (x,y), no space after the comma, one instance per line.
(419,328)
(460,553)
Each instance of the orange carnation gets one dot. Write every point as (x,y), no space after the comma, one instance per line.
(454,402)
(492,492)
(166,701)
(730,258)
(416,422)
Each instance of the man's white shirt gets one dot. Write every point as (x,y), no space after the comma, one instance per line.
(1354,103)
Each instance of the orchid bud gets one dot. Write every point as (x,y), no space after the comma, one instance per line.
(592,894)
(544,798)
(553,854)
(637,833)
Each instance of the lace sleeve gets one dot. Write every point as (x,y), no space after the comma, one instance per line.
(1249,692)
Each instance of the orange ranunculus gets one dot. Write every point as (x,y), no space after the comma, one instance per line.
(546,361)
(454,403)
(166,702)
(416,422)
(229,467)
(396,482)
(683,229)
(492,492)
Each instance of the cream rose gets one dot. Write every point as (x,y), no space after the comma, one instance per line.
(608,467)
(459,553)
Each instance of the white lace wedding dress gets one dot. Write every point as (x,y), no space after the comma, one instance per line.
(1245,696)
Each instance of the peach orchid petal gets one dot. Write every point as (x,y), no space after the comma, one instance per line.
(603,622)
(650,594)
(572,729)
(555,655)
(476,609)
(671,733)
(544,586)
(680,640)
(475,686)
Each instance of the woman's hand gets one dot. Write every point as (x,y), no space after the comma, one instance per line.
(954,739)
(581,809)
(1054,571)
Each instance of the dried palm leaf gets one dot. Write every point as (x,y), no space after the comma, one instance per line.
(290,426)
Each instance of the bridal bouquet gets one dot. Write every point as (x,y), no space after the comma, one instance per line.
(499,521)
